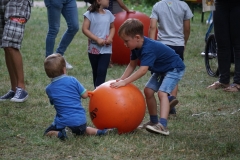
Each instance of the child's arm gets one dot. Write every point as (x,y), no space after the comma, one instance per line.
(111,34)
(152,28)
(126,78)
(89,34)
(85,95)
(186,30)
(123,6)
(129,70)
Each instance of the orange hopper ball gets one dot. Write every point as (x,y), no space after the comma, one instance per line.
(121,54)
(122,108)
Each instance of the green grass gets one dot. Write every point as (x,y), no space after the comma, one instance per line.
(211,135)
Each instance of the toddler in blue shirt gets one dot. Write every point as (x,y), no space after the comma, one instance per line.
(65,93)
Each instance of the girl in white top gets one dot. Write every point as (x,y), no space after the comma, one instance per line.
(98,26)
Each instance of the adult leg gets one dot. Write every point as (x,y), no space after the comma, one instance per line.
(15,67)
(11,42)
(54,9)
(235,39)
(172,99)
(180,51)
(103,63)
(221,28)
(70,13)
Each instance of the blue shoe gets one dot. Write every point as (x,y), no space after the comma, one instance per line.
(172,101)
(20,96)
(10,94)
(173,111)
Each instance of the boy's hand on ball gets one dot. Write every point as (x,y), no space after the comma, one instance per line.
(119,83)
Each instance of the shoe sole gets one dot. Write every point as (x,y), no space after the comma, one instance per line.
(142,126)
(19,100)
(2,100)
(152,130)
(173,103)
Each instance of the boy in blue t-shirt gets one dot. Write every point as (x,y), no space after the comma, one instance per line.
(166,66)
(65,93)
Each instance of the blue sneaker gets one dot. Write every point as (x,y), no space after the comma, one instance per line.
(20,96)
(173,111)
(172,101)
(10,94)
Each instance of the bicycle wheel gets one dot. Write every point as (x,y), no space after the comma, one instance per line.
(211,61)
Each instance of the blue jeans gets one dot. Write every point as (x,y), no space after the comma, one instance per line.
(68,8)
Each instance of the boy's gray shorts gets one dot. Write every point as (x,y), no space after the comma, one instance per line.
(13,16)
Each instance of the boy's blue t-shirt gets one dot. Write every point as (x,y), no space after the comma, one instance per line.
(64,92)
(159,57)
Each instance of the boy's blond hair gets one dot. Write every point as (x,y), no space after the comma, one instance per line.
(54,65)
(131,27)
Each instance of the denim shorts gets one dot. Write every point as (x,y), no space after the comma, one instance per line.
(165,82)
(13,16)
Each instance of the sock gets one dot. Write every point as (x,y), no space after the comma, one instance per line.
(154,119)
(101,132)
(163,121)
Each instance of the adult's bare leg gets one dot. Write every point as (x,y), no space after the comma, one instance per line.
(15,67)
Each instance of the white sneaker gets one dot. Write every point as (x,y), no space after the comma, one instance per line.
(157,128)
(68,66)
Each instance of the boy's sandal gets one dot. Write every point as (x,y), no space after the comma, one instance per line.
(233,88)
(217,85)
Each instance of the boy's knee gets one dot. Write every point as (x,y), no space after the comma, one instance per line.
(148,92)
(162,94)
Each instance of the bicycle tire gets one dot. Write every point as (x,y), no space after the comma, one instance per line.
(211,60)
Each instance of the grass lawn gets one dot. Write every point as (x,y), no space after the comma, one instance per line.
(206,127)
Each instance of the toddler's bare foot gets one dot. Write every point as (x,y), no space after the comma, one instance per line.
(52,133)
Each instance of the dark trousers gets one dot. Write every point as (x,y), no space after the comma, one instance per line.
(226,20)
(179,50)
(99,63)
